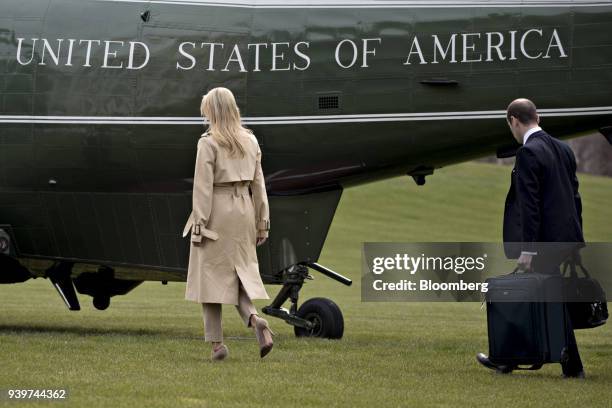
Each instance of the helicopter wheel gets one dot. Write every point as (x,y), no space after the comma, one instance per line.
(326,318)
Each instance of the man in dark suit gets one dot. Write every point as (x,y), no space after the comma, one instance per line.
(542,206)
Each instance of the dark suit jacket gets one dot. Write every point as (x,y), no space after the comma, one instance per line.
(543,204)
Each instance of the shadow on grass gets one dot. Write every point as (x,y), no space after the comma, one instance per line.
(83,331)
(549,376)
(98,331)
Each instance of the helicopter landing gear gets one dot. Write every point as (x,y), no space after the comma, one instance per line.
(317,317)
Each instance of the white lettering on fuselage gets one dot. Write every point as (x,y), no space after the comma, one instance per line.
(453,48)
(44,49)
(474,46)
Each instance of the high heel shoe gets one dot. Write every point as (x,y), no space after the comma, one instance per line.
(264,336)
(219,353)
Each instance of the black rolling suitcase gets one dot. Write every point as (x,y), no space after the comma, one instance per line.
(523,328)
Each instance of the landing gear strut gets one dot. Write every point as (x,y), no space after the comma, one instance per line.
(101,285)
(60,275)
(317,317)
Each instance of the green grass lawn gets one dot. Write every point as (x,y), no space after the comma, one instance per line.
(147,349)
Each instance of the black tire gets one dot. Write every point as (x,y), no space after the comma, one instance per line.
(326,316)
(101,302)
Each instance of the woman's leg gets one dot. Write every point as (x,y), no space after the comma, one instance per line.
(245,306)
(213,329)
(251,319)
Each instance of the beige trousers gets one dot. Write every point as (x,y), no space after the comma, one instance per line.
(213,328)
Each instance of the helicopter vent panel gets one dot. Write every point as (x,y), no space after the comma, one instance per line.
(327,102)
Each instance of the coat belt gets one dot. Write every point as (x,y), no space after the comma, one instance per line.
(236,188)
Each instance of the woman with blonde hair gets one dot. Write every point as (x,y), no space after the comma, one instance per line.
(227,222)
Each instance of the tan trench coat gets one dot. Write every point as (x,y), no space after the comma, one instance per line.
(224,222)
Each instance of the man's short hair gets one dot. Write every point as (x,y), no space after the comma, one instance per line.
(522,109)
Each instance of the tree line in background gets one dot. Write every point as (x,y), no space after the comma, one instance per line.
(593,155)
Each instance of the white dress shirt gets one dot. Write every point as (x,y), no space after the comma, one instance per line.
(530,132)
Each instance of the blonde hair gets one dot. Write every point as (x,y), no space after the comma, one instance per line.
(224,123)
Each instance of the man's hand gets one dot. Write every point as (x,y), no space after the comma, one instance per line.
(261,240)
(524,262)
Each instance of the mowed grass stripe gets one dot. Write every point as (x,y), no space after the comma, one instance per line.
(147,348)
